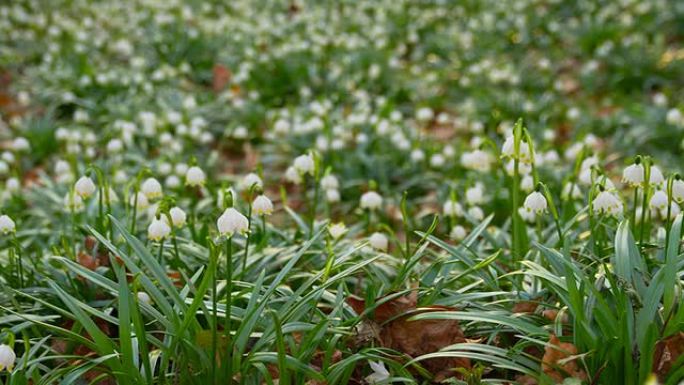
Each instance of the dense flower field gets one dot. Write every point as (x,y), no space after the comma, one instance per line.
(332,192)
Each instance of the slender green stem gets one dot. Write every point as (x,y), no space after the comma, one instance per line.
(228,361)
(249,236)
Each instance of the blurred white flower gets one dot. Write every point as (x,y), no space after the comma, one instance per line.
(292,176)
(250,180)
(475,195)
(337,230)
(452,209)
(476,213)
(262,205)
(371,200)
(178,217)
(535,203)
(656,176)
(379,374)
(658,201)
(195,177)
(139,200)
(458,233)
(144,297)
(304,164)
(158,230)
(330,182)
(151,188)
(332,195)
(84,187)
(378,241)
(6,225)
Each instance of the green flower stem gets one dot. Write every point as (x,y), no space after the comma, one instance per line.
(227,321)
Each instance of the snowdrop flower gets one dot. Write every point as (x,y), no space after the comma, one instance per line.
(458,233)
(417,155)
(378,241)
(144,297)
(195,177)
(475,195)
(607,203)
(292,176)
(262,205)
(477,160)
(151,188)
(6,225)
(674,211)
(114,146)
(158,230)
(535,203)
(250,180)
(424,114)
(337,230)
(437,160)
(523,168)
(178,217)
(527,216)
(452,209)
(84,187)
(379,374)
(7,358)
(508,150)
(172,181)
(231,222)
(674,117)
(304,164)
(527,183)
(73,202)
(656,176)
(658,201)
(140,201)
(12,185)
(21,144)
(678,190)
(330,182)
(571,191)
(476,213)
(371,200)
(332,196)
(633,175)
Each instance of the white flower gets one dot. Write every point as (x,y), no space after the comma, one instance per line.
(458,233)
(250,180)
(379,374)
(674,211)
(633,175)
(140,201)
(144,297)
(571,191)
(477,160)
(378,241)
(417,155)
(607,203)
(437,160)
(523,168)
(656,176)
(73,202)
(178,216)
(476,213)
(527,216)
(304,164)
(195,177)
(424,114)
(371,200)
(84,187)
(172,181)
(475,195)
(678,190)
(452,209)
(158,230)
(329,182)
(337,230)
(231,222)
(658,201)
(527,183)
(535,203)
(508,150)
(262,205)
(151,188)
(21,144)
(7,358)
(12,184)
(7,225)
(114,146)
(332,196)
(292,176)
(674,117)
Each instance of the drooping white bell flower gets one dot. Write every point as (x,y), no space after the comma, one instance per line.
(458,233)
(475,195)
(332,196)
(656,176)
(658,201)
(144,297)
(178,217)
(262,205)
(452,209)
(527,216)
(607,203)
(158,230)
(424,114)
(674,211)
(195,177)
(139,200)
(330,182)
(633,175)
(73,202)
(7,358)
(477,160)
(536,203)
(21,144)
(337,230)
(172,181)
(292,176)
(250,180)
(476,213)
(571,191)
(304,164)
(7,225)
(85,187)
(371,200)
(524,152)
(379,374)
(151,188)
(678,190)
(231,222)
(527,183)
(378,241)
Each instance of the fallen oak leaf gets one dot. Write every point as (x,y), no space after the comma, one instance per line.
(559,361)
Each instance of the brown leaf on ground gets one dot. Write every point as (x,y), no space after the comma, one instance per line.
(221,77)
(666,354)
(526,307)
(554,362)
(415,338)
